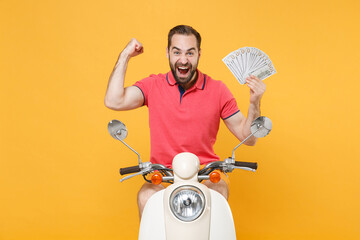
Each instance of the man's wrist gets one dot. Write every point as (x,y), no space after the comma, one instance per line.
(255,103)
(123,58)
(254,109)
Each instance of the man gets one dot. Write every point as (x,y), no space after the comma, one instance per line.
(185,105)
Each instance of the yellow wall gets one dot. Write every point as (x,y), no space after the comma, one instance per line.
(58,165)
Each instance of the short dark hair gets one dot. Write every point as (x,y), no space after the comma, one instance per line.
(184,30)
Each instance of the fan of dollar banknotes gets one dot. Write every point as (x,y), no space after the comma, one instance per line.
(248,61)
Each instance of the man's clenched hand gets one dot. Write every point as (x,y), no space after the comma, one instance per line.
(133,48)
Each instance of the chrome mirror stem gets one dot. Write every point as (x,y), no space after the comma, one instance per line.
(131,150)
(233,153)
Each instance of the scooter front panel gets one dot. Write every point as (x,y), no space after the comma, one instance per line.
(152,225)
(221,222)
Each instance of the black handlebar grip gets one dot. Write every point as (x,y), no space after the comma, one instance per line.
(246,164)
(128,170)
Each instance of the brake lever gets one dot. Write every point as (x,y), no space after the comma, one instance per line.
(244,168)
(130,176)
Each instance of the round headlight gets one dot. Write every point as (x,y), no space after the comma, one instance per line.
(187,203)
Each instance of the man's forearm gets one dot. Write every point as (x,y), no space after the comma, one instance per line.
(115,89)
(253,113)
(117,97)
(257,89)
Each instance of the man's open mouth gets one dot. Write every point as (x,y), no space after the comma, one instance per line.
(183,70)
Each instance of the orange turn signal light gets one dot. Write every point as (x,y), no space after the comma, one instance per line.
(156,178)
(214,177)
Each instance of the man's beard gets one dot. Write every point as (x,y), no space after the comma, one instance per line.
(183,80)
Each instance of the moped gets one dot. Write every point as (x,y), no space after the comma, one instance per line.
(187,209)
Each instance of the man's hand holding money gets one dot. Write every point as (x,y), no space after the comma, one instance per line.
(257,88)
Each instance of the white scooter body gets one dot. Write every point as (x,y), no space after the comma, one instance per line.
(201,212)
(159,223)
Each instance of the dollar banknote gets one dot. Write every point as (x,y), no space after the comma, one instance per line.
(247,61)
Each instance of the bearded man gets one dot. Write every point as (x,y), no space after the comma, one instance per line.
(185,105)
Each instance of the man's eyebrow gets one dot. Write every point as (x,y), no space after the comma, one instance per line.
(190,49)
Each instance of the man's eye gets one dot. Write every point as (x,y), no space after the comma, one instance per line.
(176,53)
(190,53)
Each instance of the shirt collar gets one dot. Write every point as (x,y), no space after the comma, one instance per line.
(200,81)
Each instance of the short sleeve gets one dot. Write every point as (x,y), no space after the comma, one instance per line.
(228,103)
(145,86)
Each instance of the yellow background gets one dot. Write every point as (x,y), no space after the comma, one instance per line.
(59,166)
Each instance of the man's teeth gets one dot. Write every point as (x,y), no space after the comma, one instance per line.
(183,68)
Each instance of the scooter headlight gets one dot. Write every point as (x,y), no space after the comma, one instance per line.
(187,203)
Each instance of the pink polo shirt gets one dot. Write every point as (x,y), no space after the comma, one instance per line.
(185,121)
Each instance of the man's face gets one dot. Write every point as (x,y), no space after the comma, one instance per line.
(183,57)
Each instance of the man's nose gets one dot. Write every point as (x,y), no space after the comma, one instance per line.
(183,59)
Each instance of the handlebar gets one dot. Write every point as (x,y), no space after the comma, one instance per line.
(226,166)
(128,170)
(246,164)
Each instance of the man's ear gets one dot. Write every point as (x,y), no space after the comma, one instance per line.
(167,52)
(199,52)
